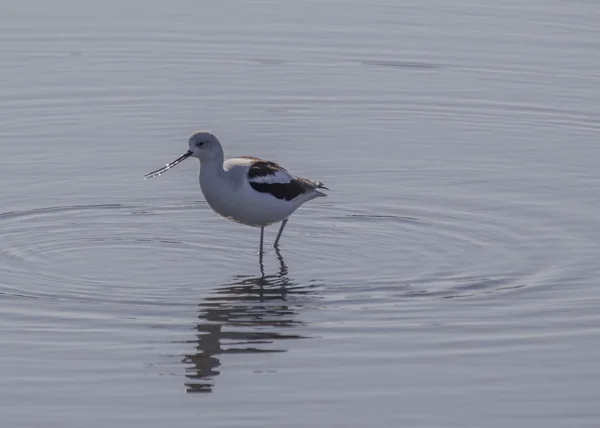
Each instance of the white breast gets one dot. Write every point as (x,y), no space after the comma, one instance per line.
(231,196)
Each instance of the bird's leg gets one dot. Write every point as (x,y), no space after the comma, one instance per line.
(262,235)
(283,223)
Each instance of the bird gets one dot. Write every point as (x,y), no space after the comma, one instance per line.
(246,189)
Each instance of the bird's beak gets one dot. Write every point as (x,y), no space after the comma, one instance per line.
(169,165)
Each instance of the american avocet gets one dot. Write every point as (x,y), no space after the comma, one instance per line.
(246,189)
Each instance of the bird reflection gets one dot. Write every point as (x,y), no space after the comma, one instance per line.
(243,317)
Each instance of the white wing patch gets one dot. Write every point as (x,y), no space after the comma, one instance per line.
(281,177)
(237,162)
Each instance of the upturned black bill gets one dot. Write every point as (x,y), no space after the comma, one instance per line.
(169,165)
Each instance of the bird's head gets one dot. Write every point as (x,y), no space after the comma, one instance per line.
(203,145)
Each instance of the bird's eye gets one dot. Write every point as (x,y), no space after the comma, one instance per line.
(199,143)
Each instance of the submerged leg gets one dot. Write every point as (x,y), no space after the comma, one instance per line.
(262,236)
(283,223)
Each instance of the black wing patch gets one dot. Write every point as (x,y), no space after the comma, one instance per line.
(261,168)
(286,191)
(269,177)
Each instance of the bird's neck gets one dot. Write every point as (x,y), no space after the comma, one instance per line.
(212,168)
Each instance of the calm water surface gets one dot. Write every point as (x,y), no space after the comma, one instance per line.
(449,280)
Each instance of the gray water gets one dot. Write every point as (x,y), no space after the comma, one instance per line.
(450,278)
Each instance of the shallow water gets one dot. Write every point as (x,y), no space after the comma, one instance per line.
(450,279)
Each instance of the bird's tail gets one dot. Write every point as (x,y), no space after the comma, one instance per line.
(313,185)
(319,185)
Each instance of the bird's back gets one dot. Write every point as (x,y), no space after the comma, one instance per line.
(258,192)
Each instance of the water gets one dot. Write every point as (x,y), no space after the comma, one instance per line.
(449,280)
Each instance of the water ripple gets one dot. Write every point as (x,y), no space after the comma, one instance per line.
(86,253)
